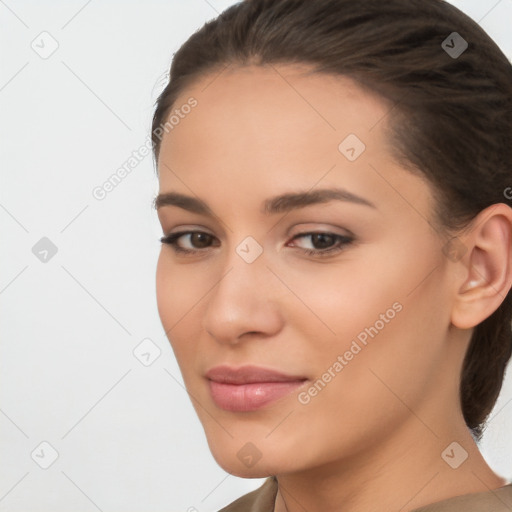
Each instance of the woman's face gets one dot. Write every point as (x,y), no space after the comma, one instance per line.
(348,326)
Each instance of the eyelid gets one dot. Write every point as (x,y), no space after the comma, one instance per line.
(187,228)
(319,227)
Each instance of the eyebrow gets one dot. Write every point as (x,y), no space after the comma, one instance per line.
(278,204)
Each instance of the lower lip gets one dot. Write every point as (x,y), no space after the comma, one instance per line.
(250,397)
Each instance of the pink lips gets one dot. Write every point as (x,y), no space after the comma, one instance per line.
(249,388)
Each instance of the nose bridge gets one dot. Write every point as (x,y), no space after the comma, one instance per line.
(244,269)
(242,301)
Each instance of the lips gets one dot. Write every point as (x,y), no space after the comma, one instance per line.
(249,388)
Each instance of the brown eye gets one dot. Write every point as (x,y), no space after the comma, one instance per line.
(324,243)
(197,240)
(322,240)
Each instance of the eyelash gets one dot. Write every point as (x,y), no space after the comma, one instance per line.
(343,241)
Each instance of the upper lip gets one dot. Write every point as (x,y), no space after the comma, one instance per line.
(248,374)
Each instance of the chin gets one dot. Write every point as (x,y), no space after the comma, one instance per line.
(240,464)
(248,472)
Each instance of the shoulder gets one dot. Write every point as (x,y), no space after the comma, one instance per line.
(495,500)
(260,500)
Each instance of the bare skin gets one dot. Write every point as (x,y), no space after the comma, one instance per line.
(373,436)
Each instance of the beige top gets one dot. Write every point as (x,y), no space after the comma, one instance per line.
(498,500)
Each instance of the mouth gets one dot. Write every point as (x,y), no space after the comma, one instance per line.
(249,388)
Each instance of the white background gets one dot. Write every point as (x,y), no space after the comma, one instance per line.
(127,436)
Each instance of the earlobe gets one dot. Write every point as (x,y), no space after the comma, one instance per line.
(487,277)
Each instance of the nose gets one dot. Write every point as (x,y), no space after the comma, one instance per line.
(244,303)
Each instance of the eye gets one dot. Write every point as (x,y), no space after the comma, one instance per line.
(324,243)
(197,241)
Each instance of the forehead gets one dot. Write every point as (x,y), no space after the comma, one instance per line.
(276,108)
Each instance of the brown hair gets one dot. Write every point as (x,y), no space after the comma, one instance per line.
(451,120)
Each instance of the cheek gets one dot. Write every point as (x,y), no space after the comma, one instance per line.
(181,292)
(178,289)
(338,302)
(176,296)
(164,292)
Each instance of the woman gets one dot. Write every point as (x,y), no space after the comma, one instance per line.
(336,264)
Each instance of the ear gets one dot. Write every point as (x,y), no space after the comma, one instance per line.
(486,278)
